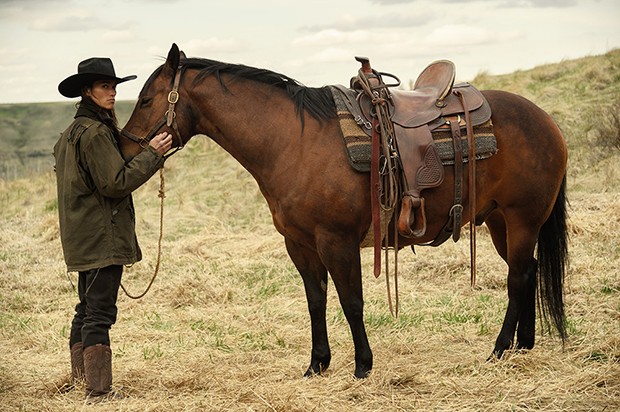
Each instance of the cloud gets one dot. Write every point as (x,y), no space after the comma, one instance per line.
(390,2)
(465,35)
(539,3)
(331,55)
(206,47)
(387,20)
(76,20)
(500,3)
(119,36)
(331,37)
(13,55)
(16,69)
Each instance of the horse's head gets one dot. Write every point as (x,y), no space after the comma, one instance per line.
(163,105)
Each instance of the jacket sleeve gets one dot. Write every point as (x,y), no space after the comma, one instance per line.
(112,177)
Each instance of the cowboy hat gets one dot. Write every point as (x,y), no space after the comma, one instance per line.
(89,70)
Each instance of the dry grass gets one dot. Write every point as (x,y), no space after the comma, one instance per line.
(225,326)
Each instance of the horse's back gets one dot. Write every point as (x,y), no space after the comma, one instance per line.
(523,122)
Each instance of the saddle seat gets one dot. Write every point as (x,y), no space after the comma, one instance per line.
(423,104)
(432,97)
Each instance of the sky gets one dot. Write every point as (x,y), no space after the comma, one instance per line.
(314,41)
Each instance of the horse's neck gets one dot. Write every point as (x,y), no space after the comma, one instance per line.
(251,121)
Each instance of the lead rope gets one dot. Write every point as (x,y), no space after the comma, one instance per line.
(162,196)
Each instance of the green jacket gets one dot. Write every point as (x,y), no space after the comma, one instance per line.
(95,207)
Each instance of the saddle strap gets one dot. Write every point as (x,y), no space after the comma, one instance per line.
(456,212)
(472,188)
(375,189)
(455,217)
(367,80)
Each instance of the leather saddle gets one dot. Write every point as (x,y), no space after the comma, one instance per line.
(434,104)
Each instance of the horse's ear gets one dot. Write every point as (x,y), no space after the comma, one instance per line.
(172,61)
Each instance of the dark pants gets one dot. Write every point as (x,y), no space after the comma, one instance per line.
(96,312)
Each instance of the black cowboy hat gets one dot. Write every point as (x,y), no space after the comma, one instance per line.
(89,70)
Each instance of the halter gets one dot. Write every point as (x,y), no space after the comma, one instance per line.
(169,119)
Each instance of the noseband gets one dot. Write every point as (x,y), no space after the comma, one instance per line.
(169,119)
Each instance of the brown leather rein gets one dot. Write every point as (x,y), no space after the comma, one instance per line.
(169,119)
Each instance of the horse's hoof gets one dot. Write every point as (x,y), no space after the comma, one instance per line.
(316,370)
(361,374)
(495,356)
(310,373)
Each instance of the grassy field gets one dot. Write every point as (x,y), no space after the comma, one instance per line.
(225,326)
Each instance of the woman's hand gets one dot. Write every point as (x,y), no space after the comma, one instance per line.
(161,143)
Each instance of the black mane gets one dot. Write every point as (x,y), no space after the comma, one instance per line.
(317,101)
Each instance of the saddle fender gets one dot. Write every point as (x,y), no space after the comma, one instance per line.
(416,147)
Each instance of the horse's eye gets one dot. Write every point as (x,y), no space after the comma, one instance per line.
(145,101)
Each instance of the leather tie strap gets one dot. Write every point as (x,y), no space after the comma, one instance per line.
(472,188)
(375,188)
(456,213)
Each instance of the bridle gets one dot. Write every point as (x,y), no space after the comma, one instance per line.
(169,119)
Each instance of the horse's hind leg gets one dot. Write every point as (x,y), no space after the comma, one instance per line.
(314,275)
(515,242)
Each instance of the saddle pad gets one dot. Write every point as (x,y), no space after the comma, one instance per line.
(356,141)
(486,144)
(359,149)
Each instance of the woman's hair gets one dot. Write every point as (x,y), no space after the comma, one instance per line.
(107,117)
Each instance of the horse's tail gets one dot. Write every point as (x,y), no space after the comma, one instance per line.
(552,262)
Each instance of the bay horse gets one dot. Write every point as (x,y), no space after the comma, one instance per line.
(287,136)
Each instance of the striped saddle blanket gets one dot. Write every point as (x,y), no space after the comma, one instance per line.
(358,143)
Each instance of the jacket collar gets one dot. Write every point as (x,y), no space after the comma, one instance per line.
(89,109)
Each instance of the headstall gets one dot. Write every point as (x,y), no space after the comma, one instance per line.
(169,119)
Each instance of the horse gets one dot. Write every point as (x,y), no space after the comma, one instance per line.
(287,136)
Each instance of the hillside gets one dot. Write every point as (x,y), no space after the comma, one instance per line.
(30,131)
(226,325)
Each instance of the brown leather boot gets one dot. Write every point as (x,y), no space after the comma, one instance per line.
(98,371)
(77,363)
(77,370)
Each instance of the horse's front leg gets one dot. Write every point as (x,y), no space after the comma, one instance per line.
(342,258)
(314,275)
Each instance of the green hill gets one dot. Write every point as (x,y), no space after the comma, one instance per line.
(30,131)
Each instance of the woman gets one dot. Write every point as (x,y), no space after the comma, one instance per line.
(96,214)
